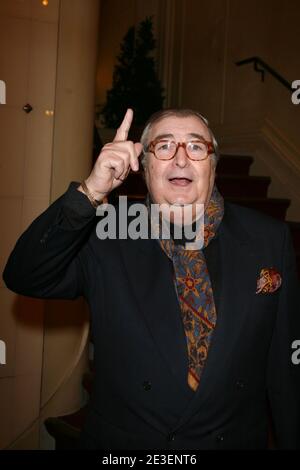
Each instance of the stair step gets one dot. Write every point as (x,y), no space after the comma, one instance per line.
(134,184)
(66,429)
(274,207)
(234,164)
(75,419)
(136,197)
(243,185)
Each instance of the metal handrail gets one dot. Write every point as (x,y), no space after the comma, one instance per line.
(265,68)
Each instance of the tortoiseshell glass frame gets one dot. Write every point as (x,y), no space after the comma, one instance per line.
(209,145)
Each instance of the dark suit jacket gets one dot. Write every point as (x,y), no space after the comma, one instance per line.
(141,399)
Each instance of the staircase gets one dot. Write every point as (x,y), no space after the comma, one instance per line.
(66,429)
(236,185)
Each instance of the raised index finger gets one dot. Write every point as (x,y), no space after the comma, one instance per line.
(122,131)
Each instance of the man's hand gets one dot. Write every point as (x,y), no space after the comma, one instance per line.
(114,162)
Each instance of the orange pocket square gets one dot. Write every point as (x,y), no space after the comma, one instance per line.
(269,281)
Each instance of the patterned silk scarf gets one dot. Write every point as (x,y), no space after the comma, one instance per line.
(194,291)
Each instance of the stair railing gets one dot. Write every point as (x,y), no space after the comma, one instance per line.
(262,67)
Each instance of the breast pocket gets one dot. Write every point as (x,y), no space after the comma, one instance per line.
(264,309)
(267,301)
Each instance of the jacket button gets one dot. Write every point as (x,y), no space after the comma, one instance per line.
(147,385)
(43,239)
(240,384)
(220,438)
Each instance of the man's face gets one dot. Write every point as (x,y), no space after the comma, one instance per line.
(180,180)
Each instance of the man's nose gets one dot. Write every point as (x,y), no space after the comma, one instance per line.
(181,159)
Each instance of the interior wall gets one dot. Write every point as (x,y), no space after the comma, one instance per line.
(284,55)
(66,323)
(28,46)
(210,36)
(75,92)
(116,17)
(112,28)
(199,42)
(48,59)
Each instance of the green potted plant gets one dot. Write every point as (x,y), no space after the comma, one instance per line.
(135,81)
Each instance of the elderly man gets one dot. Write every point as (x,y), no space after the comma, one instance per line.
(192,347)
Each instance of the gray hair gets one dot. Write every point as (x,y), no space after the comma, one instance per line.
(181,113)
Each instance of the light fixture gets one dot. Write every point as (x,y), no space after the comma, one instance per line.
(45,3)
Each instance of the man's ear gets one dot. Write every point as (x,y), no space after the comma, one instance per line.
(144,170)
(214,165)
(213,173)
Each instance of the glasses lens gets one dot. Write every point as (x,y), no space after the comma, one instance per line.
(197,150)
(165,149)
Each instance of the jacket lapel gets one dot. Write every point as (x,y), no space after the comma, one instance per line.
(151,277)
(237,275)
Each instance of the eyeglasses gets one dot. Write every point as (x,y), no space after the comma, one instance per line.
(165,149)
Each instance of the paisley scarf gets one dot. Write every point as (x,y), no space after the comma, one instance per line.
(194,291)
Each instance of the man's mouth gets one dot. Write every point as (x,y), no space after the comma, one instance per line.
(180,181)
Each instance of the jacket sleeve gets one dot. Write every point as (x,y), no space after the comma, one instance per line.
(284,375)
(46,260)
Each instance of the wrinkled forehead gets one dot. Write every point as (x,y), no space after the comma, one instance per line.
(179,128)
